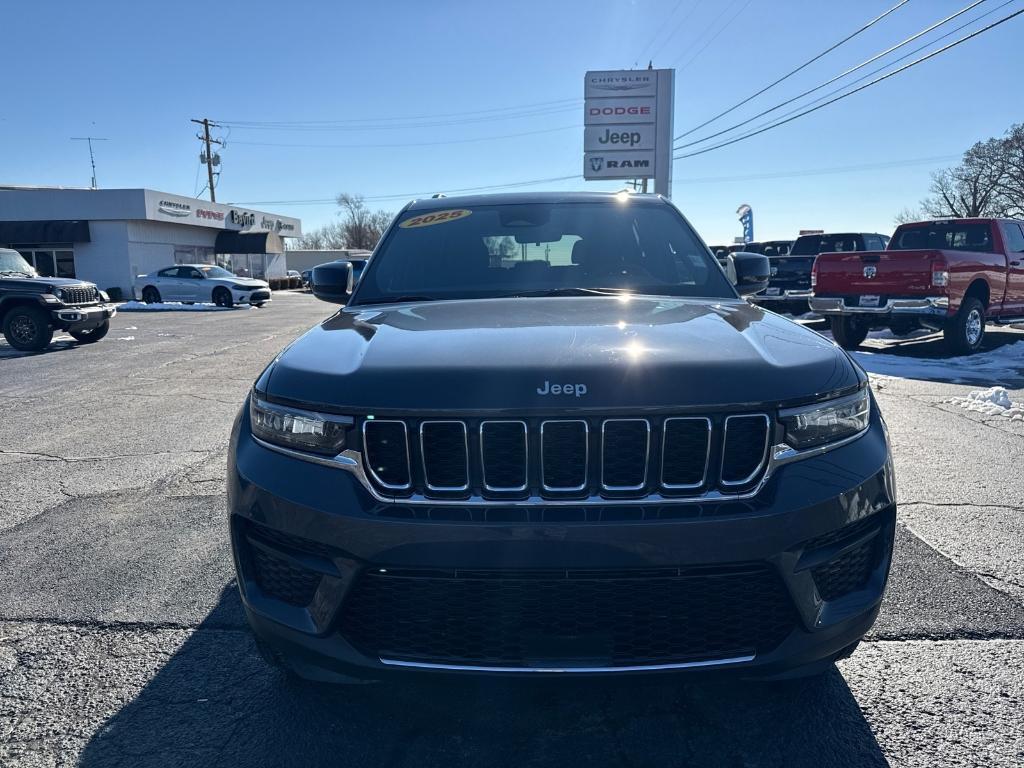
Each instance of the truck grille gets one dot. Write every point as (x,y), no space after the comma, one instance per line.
(566,458)
(570,618)
(85,294)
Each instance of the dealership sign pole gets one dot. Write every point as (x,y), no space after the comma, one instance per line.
(627,126)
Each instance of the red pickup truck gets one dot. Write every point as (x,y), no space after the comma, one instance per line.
(953,275)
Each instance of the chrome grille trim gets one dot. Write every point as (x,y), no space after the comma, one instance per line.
(586,457)
(707,454)
(526,457)
(408,458)
(567,670)
(647,455)
(423,456)
(764,454)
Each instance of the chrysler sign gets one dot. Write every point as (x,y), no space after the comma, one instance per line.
(627,125)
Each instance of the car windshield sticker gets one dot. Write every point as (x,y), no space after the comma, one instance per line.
(436,217)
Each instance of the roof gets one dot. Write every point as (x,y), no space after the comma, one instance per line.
(527,198)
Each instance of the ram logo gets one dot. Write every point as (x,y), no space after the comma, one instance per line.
(870,272)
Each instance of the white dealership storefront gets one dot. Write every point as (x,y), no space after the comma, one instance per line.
(108,236)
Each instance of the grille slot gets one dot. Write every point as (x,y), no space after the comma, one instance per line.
(744,448)
(625,451)
(281,579)
(848,572)
(685,452)
(78,295)
(445,454)
(503,456)
(565,453)
(568,618)
(386,444)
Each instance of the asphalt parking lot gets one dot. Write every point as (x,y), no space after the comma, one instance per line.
(122,640)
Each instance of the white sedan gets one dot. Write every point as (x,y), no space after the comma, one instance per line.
(198,283)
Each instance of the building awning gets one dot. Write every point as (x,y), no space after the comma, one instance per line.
(39,232)
(248,242)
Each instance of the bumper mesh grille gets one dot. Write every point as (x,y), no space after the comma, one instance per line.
(281,579)
(568,618)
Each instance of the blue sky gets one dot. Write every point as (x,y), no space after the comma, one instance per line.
(135,72)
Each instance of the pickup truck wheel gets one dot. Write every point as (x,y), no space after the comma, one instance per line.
(92,335)
(28,329)
(222,297)
(849,332)
(964,333)
(150,295)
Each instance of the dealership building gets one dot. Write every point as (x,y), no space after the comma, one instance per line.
(108,236)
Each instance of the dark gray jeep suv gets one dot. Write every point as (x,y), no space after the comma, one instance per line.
(547,436)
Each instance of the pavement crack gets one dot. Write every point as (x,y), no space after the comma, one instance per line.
(42,456)
(105,625)
(960,505)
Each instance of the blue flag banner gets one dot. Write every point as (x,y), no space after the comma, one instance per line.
(746,214)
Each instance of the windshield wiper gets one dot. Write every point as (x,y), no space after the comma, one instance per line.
(14,272)
(566,292)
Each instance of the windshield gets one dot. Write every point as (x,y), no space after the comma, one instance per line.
(491,251)
(215,272)
(950,236)
(812,245)
(13,263)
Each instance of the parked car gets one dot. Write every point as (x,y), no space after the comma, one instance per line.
(596,458)
(33,307)
(953,275)
(192,283)
(307,279)
(789,289)
(294,279)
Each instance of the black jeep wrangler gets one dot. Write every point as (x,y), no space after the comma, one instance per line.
(32,307)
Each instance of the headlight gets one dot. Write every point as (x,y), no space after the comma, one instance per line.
(295,428)
(829,422)
(242,288)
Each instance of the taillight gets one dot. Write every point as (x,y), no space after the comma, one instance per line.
(940,274)
(814,274)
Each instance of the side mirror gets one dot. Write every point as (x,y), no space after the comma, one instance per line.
(752,272)
(333,282)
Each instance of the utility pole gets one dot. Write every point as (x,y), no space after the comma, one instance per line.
(92,160)
(208,155)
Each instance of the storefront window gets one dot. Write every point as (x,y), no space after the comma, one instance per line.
(49,262)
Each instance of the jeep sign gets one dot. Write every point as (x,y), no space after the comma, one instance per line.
(627,126)
(599,138)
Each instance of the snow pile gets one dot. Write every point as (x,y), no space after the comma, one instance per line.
(173,306)
(1004,363)
(994,401)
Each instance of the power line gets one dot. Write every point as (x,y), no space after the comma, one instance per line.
(789,74)
(710,26)
(823,171)
(390,123)
(683,20)
(408,195)
(877,80)
(714,37)
(409,144)
(849,71)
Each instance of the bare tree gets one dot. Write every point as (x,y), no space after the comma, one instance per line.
(907,215)
(1011,185)
(362,227)
(971,188)
(328,237)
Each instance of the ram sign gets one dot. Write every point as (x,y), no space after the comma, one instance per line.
(627,126)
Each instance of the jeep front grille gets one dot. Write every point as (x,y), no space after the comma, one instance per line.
(620,457)
(84,294)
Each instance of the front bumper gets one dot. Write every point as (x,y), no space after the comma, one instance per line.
(933,306)
(82,318)
(259,296)
(320,520)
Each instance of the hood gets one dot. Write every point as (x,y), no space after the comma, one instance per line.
(508,355)
(40,283)
(248,282)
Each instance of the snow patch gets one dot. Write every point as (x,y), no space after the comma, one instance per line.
(1004,363)
(126,338)
(173,306)
(994,401)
